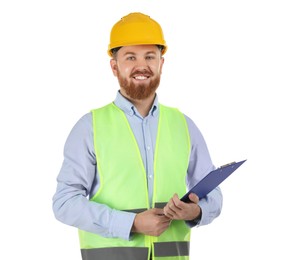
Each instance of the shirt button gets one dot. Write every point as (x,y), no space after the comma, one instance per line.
(148,147)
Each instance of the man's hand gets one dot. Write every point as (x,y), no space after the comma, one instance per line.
(151,222)
(179,210)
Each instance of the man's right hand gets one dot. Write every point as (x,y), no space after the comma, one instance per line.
(151,222)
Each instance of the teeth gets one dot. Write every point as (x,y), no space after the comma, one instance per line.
(140,77)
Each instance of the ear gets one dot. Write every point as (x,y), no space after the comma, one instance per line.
(114,67)
(161,64)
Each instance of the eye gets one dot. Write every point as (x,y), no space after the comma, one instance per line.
(131,58)
(150,57)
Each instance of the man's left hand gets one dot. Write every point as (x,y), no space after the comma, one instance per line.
(179,210)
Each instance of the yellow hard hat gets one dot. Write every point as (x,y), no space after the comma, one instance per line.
(136,29)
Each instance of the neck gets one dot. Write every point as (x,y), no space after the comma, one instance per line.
(143,106)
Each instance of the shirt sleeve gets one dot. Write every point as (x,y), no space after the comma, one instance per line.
(75,181)
(200,164)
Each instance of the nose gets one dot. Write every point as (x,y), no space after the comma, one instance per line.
(141,63)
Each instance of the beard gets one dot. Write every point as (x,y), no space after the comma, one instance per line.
(139,91)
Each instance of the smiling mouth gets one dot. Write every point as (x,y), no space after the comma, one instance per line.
(141,77)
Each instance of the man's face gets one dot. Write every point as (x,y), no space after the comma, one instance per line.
(138,69)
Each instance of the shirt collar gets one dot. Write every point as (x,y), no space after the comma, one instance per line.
(128,107)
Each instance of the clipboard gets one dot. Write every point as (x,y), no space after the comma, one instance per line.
(212,180)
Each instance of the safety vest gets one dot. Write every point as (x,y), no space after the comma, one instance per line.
(123,184)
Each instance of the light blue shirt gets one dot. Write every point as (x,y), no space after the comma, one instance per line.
(78,179)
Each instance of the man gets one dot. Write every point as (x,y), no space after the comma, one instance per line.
(134,159)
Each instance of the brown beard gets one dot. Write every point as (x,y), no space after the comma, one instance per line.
(139,91)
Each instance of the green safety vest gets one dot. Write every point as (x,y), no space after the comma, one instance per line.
(123,184)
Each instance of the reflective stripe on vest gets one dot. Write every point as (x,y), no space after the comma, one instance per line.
(166,249)
(118,253)
(123,184)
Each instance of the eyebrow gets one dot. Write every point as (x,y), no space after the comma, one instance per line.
(133,53)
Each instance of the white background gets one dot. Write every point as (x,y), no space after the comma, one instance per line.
(224,68)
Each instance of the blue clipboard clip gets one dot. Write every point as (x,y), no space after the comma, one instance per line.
(212,180)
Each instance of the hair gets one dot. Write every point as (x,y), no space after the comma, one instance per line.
(160,47)
(115,50)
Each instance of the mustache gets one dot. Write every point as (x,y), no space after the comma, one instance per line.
(145,72)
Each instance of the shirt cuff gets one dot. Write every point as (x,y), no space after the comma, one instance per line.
(121,224)
(194,223)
